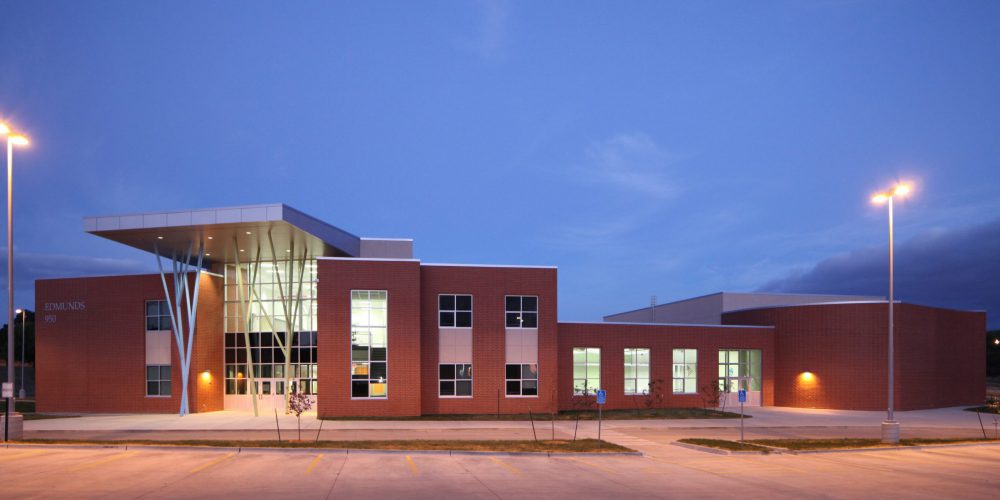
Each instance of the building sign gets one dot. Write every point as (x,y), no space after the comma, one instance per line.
(50,308)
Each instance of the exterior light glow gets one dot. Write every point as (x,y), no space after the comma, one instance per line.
(901,190)
(18,140)
(241,249)
(208,255)
(807,376)
(206,376)
(996,341)
(18,311)
(248,232)
(159,237)
(880,198)
(4,129)
(210,237)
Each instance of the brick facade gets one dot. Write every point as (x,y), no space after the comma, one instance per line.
(614,338)
(939,358)
(93,359)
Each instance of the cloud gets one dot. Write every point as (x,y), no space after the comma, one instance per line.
(632,163)
(953,267)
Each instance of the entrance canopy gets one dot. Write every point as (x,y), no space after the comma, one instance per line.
(225,231)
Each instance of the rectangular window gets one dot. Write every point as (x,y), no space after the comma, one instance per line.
(158,380)
(369,344)
(739,369)
(522,379)
(586,370)
(455,311)
(522,311)
(455,380)
(685,373)
(636,371)
(157,315)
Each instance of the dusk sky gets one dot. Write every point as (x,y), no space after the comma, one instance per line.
(645,148)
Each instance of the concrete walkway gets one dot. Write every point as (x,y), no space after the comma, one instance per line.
(769,417)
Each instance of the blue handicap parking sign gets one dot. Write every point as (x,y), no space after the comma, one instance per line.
(602,396)
(743,395)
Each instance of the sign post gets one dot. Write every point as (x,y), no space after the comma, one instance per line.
(7,392)
(602,397)
(743,399)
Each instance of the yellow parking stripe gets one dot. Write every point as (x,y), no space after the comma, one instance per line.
(211,463)
(110,459)
(598,467)
(508,466)
(313,464)
(22,454)
(413,466)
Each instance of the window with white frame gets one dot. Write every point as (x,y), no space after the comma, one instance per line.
(685,372)
(522,311)
(157,315)
(455,311)
(586,370)
(636,371)
(455,380)
(369,344)
(158,380)
(522,379)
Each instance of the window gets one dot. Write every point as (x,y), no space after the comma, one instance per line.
(369,344)
(522,311)
(739,369)
(685,371)
(636,371)
(586,370)
(455,310)
(157,315)
(455,380)
(522,379)
(158,380)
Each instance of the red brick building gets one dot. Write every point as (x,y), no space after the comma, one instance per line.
(285,303)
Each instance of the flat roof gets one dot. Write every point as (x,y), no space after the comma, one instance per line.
(227,231)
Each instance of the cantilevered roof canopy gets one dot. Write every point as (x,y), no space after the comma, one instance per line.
(225,231)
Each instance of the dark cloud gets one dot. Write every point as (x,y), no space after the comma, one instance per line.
(957,268)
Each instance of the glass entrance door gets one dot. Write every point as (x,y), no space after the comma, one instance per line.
(739,369)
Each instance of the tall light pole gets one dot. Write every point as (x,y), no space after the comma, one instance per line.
(12,140)
(24,316)
(890,427)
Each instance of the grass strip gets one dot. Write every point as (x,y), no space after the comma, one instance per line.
(852,443)
(637,414)
(557,446)
(723,444)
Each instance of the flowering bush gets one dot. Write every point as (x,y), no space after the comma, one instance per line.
(298,403)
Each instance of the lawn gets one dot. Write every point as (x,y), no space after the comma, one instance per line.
(850,443)
(637,414)
(723,444)
(556,446)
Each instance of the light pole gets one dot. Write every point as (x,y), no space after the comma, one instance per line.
(12,140)
(890,427)
(22,393)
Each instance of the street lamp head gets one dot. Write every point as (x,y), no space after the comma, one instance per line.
(18,140)
(880,198)
(901,190)
(17,311)
(4,129)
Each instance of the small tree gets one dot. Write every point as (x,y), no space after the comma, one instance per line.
(298,403)
(711,394)
(584,399)
(653,397)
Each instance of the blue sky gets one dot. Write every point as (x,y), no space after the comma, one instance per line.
(667,148)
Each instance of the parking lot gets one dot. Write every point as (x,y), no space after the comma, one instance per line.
(673,472)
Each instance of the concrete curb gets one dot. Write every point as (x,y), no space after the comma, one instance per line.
(328,451)
(785,451)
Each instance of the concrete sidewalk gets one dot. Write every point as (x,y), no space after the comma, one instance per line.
(768,417)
